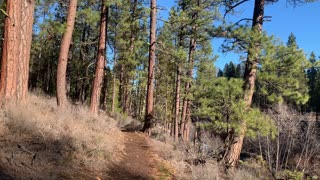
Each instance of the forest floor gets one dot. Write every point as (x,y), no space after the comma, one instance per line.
(140,161)
(40,141)
(137,161)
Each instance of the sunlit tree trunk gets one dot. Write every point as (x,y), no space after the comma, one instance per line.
(234,150)
(16,50)
(101,61)
(186,111)
(177,106)
(121,86)
(63,54)
(152,58)
(113,104)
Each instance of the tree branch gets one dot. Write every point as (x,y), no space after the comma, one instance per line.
(232,7)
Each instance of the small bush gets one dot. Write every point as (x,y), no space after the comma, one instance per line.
(287,174)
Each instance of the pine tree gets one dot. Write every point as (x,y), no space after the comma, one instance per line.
(171,55)
(316,96)
(221,101)
(83,52)
(64,53)
(2,18)
(152,58)
(282,77)
(229,71)
(101,61)
(220,73)
(292,42)
(239,71)
(128,41)
(176,27)
(312,75)
(278,70)
(16,50)
(200,15)
(234,150)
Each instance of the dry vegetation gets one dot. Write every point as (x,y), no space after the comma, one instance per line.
(37,140)
(40,141)
(292,154)
(186,158)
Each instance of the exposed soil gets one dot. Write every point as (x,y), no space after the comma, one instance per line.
(139,161)
(39,141)
(33,158)
(25,157)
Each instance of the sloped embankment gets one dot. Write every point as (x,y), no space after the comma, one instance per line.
(39,141)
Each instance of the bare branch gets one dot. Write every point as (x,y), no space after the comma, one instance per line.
(234,6)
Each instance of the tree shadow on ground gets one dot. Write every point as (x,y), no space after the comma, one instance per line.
(30,156)
(4,175)
(120,172)
(136,162)
(132,127)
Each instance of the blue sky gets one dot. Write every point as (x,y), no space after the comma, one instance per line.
(303,21)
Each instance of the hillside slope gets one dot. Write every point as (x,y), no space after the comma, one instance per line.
(39,141)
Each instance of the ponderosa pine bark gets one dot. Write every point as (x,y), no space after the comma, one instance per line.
(113,103)
(126,96)
(101,60)
(127,86)
(186,111)
(234,150)
(16,50)
(187,119)
(152,59)
(177,106)
(63,54)
(121,86)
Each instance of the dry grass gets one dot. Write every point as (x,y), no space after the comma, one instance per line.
(40,141)
(127,123)
(169,153)
(244,174)
(62,142)
(180,154)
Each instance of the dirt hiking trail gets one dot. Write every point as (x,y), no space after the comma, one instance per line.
(139,161)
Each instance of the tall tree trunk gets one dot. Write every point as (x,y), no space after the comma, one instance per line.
(114,81)
(173,108)
(101,60)
(16,50)
(63,54)
(25,47)
(126,95)
(127,86)
(186,111)
(177,106)
(137,102)
(152,59)
(131,99)
(188,123)
(121,86)
(82,58)
(178,86)
(234,150)
(104,93)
